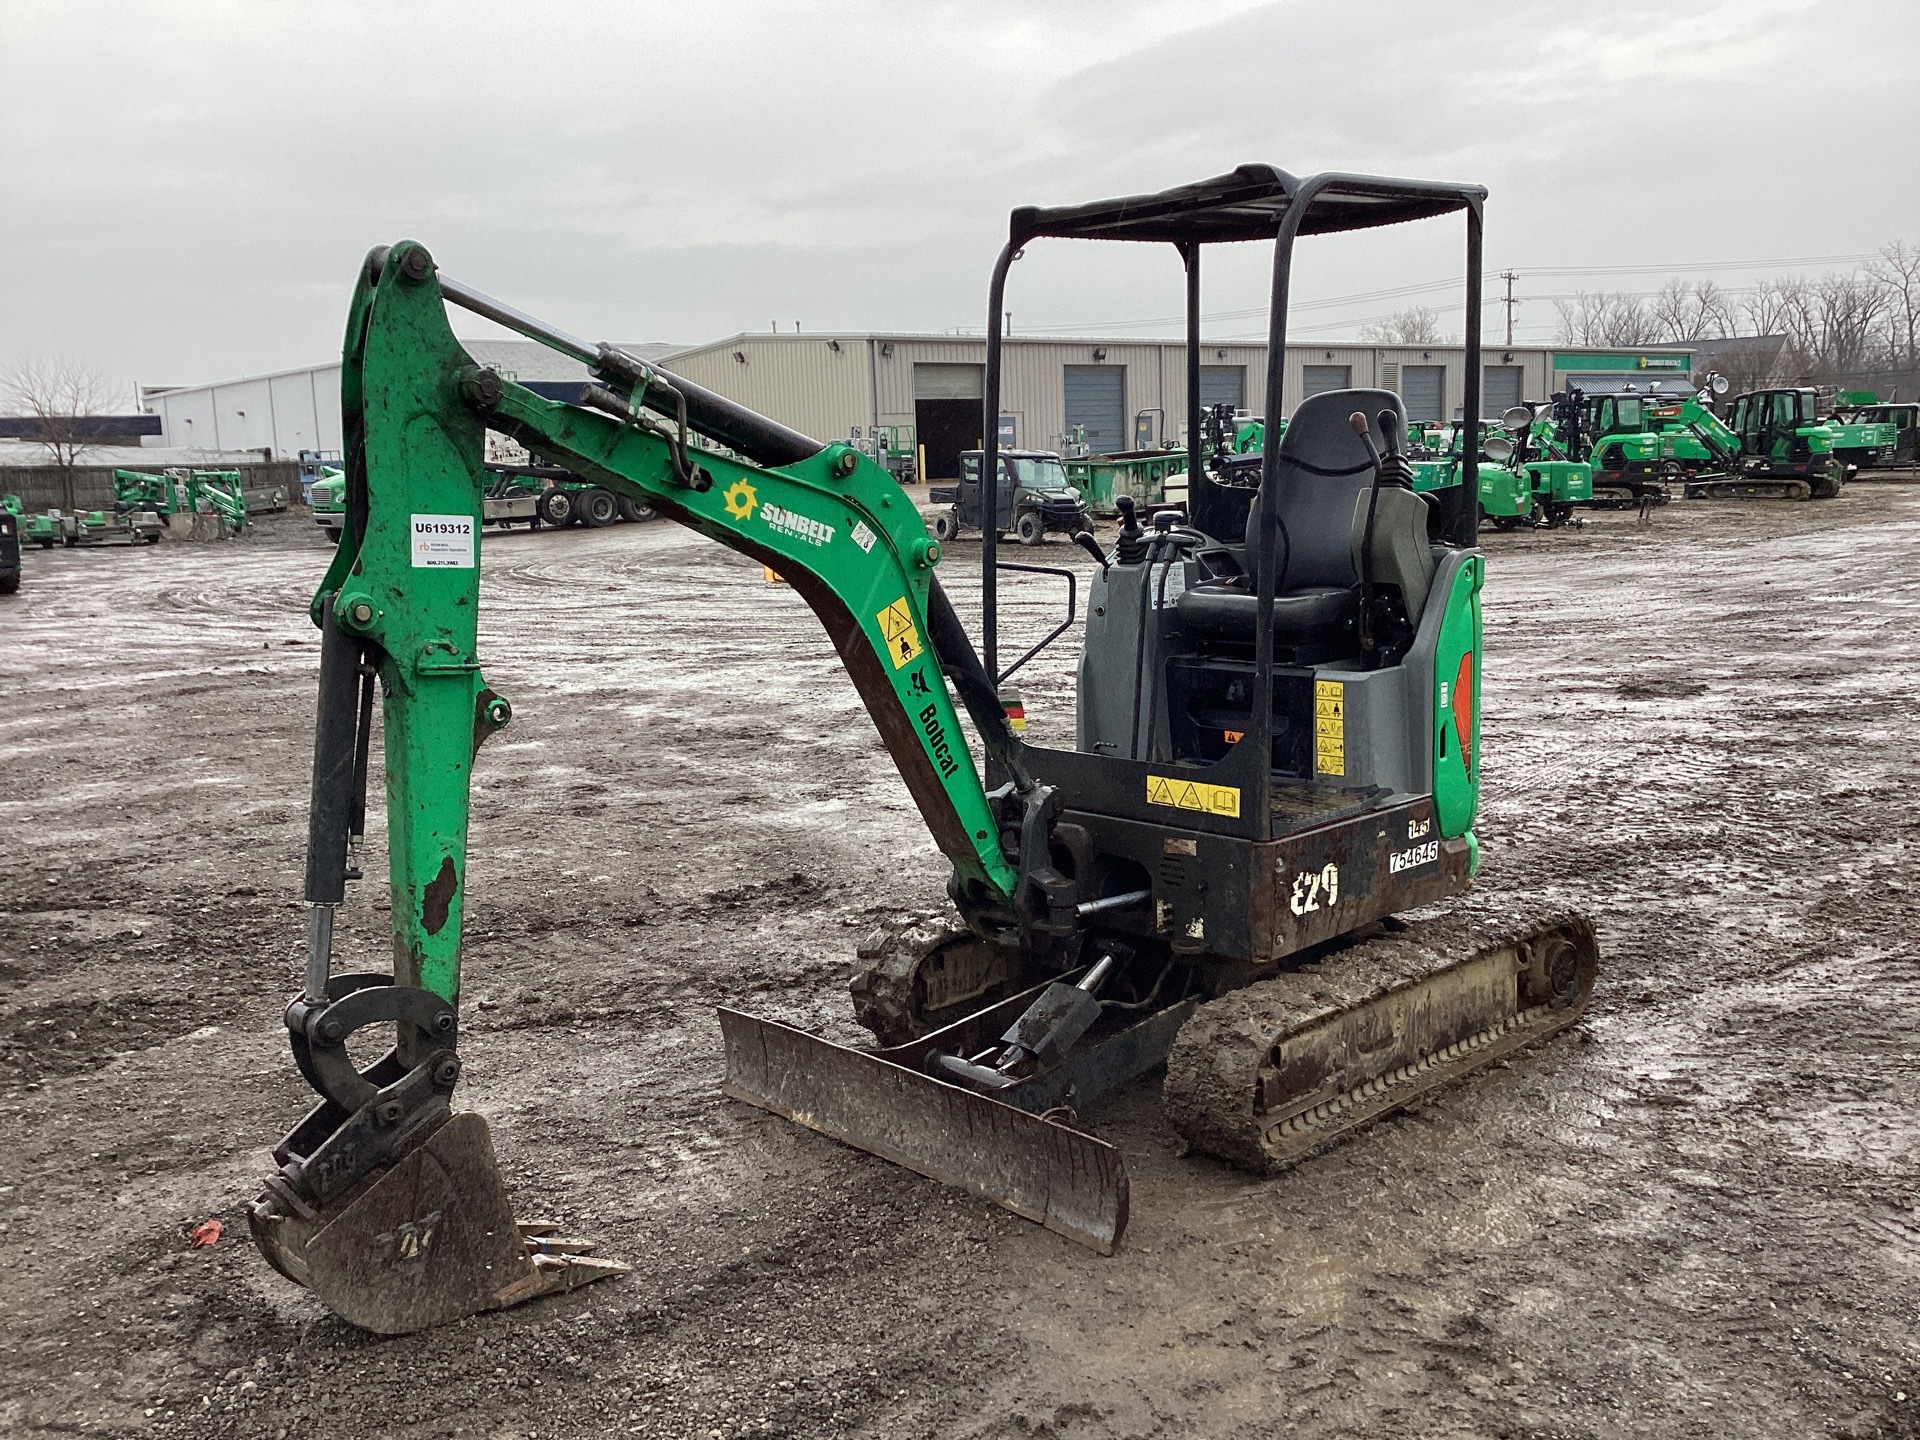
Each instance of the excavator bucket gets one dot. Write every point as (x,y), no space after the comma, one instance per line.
(426,1240)
(1025,1152)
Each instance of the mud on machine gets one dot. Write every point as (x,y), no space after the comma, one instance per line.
(1276,756)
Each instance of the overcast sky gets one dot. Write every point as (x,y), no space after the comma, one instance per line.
(191,185)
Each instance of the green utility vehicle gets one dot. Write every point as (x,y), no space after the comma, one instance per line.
(219,493)
(1035,499)
(1277,753)
(1902,417)
(1234,441)
(1862,438)
(141,490)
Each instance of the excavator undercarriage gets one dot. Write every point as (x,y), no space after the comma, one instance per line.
(1248,868)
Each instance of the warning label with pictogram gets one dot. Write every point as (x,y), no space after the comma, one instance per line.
(1329,727)
(1193,795)
(900,633)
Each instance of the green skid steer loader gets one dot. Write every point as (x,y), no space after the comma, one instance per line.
(1277,754)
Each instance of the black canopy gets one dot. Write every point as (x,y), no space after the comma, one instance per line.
(1246,205)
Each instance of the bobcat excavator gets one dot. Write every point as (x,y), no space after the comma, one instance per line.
(1278,754)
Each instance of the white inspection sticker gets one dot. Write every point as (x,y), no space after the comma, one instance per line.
(442,542)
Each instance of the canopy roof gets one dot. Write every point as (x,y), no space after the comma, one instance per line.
(1247,205)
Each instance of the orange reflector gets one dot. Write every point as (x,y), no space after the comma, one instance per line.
(1463,710)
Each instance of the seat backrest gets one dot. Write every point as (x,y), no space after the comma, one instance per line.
(1322,469)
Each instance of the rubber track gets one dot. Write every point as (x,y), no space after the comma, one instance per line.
(1214,1070)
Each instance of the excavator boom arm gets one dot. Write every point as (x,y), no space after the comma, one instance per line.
(402,595)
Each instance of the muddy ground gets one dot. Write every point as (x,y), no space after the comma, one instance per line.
(1695,1216)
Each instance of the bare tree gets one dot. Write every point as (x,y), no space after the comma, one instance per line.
(1603,318)
(1848,312)
(1897,273)
(58,392)
(1416,326)
(1682,312)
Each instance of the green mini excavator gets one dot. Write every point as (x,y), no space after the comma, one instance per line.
(1277,757)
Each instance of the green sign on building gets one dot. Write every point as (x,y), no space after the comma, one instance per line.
(1669,362)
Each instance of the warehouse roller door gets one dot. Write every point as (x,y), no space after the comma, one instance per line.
(1423,389)
(1501,389)
(946,414)
(1318,379)
(1223,385)
(1096,397)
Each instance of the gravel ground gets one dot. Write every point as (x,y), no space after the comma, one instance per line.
(1696,1215)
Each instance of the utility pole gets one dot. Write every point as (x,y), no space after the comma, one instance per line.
(1509,302)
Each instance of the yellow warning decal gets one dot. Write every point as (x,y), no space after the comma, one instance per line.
(1329,727)
(901,634)
(1193,795)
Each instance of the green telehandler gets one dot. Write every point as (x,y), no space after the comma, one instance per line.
(1277,753)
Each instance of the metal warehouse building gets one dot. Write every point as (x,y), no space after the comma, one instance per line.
(1125,394)
(294,410)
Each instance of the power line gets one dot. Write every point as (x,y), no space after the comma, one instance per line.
(1396,292)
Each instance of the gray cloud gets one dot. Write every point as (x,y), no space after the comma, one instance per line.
(192,184)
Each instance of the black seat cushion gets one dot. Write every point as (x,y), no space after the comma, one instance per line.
(1228,611)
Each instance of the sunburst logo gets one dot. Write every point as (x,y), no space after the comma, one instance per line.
(741,498)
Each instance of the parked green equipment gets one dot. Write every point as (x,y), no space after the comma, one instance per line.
(1863,439)
(1506,495)
(1786,453)
(1902,417)
(1139,475)
(10,510)
(93,527)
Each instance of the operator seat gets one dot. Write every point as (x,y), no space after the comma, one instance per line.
(1322,486)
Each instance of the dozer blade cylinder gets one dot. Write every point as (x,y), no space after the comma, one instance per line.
(1073,1183)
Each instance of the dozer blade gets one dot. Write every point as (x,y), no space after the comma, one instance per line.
(1073,1183)
(1272,1073)
(428,1239)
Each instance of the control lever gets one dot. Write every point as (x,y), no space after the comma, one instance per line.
(1084,539)
(1130,546)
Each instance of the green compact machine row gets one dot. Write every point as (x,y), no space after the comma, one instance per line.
(1277,755)
(532,495)
(1772,445)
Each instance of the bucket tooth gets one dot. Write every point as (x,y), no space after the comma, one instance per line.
(428,1239)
